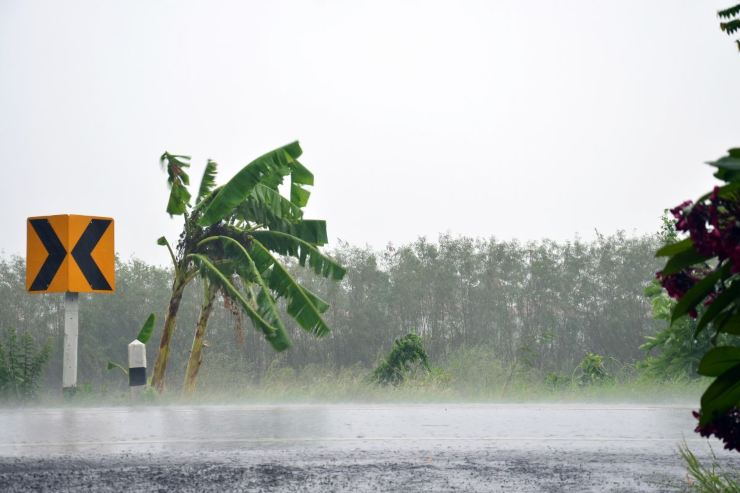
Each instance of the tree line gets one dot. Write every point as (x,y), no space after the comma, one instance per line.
(544,305)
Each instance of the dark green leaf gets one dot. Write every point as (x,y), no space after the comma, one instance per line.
(178,180)
(300,305)
(727,162)
(729,13)
(299,195)
(310,230)
(674,248)
(730,27)
(288,245)
(718,360)
(112,365)
(726,175)
(179,199)
(266,207)
(721,395)
(683,259)
(277,162)
(730,324)
(146,330)
(277,338)
(300,174)
(266,305)
(208,181)
(723,300)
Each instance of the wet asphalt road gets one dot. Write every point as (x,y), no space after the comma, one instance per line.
(447,447)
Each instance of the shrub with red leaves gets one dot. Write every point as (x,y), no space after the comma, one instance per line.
(703,274)
(726,427)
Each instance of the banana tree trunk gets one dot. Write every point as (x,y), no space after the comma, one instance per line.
(160,365)
(196,351)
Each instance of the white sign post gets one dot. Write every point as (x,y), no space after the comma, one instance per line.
(71,329)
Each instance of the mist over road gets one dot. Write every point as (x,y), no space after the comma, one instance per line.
(440,447)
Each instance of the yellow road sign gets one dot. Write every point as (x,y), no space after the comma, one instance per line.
(70,253)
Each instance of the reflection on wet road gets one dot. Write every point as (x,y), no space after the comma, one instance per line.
(521,445)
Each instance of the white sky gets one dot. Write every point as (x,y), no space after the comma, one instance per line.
(508,118)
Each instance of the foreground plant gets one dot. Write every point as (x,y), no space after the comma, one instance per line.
(703,274)
(233,239)
(705,479)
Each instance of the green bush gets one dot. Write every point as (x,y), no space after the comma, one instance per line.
(592,369)
(556,381)
(21,363)
(407,352)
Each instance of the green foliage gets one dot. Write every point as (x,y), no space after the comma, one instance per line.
(112,365)
(178,180)
(207,182)
(268,169)
(561,299)
(730,23)
(228,240)
(703,276)
(556,381)
(251,220)
(275,335)
(592,370)
(406,352)
(708,479)
(678,349)
(147,329)
(21,363)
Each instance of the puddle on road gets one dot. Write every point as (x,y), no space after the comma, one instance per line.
(116,429)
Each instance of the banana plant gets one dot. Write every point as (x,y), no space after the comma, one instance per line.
(234,239)
(730,23)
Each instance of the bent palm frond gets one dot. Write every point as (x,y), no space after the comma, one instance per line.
(208,182)
(288,245)
(276,336)
(275,163)
(178,180)
(303,306)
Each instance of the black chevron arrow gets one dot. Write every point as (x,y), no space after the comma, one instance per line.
(56,254)
(83,250)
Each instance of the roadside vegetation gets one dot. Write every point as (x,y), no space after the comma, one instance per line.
(531,312)
(22,361)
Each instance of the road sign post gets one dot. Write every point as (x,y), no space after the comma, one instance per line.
(71,329)
(70,254)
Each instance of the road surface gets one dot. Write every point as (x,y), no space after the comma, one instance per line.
(440,447)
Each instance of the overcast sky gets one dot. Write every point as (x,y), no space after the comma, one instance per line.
(487,118)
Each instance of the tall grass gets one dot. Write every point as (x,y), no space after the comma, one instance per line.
(708,479)
(467,375)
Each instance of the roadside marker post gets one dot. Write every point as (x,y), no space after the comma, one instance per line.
(71,329)
(136,368)
(70,254)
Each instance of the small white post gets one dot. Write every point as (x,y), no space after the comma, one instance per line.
(71,329)
(136,367)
